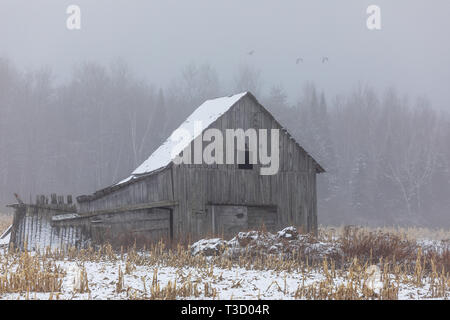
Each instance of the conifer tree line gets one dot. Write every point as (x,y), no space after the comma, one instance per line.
(387,155)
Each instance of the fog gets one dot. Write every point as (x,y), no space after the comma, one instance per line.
(159,37)
(76,105)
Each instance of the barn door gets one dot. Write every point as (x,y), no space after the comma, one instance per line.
(140,226)
(154,225)
(229,220)
(259,216)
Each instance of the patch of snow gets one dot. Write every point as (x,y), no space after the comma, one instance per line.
(74,278)
(208,247)
(288,233)
(5,240)
(60,217)
(438,246)
(5,237)
(6,232)
(373,280)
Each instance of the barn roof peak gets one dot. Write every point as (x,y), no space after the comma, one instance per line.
(206,114)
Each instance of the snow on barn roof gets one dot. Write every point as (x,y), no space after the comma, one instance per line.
(205,115)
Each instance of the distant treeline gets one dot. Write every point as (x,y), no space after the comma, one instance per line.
(387,157)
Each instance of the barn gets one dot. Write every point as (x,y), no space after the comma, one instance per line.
(166,198)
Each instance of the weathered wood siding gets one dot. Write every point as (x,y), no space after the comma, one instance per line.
(143,226)
(154,188)
(33,229)
(292,191)
(227,220)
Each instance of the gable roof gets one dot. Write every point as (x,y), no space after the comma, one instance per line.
(206,114)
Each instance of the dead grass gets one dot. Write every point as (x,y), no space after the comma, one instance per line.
(23,272)
(409,233)
(373,246)
(398,246)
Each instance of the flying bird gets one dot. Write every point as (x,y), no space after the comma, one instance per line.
(251,52)
(298,60)
(324,59)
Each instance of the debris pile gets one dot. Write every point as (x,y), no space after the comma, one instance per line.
(287,242)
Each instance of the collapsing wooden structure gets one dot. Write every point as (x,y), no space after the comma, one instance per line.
(162,199)
(35,225)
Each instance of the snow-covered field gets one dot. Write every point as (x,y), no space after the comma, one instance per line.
(253,265)
(234,283)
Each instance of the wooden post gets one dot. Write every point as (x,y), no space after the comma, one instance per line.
(213,218)
(53,198)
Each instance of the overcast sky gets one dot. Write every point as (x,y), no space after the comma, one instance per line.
(159,37)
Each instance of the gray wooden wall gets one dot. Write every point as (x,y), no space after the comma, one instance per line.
(196,187)
(154,188)
(292,190)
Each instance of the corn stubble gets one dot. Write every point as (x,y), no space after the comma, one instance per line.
(401,261)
